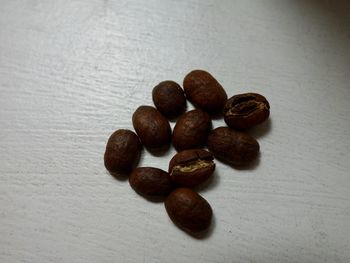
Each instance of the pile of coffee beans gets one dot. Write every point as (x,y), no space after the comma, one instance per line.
(192,165)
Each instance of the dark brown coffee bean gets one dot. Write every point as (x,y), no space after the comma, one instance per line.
(122,151)
(204,91)
(191,167)
(188,210)
(191,130)
(246,110)
(149,181)
(152,127)
(236,148)
(169,98)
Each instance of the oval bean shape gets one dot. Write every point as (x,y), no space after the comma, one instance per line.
(236,148)
(122,151)
(188,210)
(246,110)
(152,127)
(191,130)
(204,91)
(191,167)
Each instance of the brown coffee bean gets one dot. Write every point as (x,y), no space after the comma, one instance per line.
(122,151)
(152,127)
(191,130)
(191,167)
(204,91)
(149,181)
(169,98)
(236,148)
(188,210)
(246,110)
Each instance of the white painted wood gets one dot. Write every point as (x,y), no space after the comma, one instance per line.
(71,72)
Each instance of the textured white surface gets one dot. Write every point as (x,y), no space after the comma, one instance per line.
(72,72)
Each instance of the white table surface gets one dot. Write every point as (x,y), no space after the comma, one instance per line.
(72,72)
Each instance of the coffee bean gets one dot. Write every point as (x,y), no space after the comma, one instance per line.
(169,98)
(152,127)
(122,151)
(188,210)
(236,148)
(204,91)
(246,110)
(191,130)
(149,181)
(191,167)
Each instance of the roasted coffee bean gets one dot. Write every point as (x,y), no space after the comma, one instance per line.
(149,181)
(204,91)
(188,210)
(152,127)
(246,110)
(236,148)
(122,151)
(191,167)
(191,130)
(169,98)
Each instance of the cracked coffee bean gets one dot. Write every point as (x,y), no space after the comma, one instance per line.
(188,210)
(122,151)
(204,91)
(169,98)
(246,110)
(152,127)
(191,167)
(149,181)
(233,147)
(191,130)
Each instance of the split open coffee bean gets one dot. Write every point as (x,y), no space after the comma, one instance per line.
(204,91)
(169,98)
(233,147)
(246,110)
(191,130)
(191,167)
(188,210)
(122,151)
(152,127)
(149,181)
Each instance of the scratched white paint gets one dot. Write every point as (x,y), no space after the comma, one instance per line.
(71,72)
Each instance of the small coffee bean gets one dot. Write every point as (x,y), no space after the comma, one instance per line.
(246,110)
(204,91)
(149,181)
(191,130)
(188,210)
(236,148)
(152,127)
(169,98)
(122,151)
(191,167)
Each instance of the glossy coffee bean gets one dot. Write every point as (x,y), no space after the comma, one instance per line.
(122,151)
(191,130)
(149,181)
(169,98)
(188,210)
(246,110)
(191,167)
(236,148)
(204,91)
(152,127)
